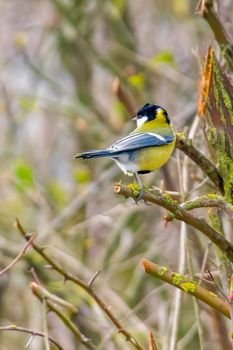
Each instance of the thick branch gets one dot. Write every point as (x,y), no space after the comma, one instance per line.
(69,277)
(206,9)
(181,214)
(179,281)
(185,145)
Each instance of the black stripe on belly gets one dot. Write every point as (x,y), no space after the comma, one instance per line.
(144,172)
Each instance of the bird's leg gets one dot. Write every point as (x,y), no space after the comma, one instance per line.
(139,181)
(142,191)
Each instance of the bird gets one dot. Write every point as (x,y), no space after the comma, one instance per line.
(145,149)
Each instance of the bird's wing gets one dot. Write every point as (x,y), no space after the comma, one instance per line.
(139,140)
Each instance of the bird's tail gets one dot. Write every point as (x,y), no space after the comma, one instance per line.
(93,154)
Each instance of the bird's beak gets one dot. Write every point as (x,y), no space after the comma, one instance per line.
(135,118)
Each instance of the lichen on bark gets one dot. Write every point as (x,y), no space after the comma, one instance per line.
(216,108)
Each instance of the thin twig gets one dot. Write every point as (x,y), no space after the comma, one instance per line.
(34,275)
(192,132)
(59,222)
(152,345)
(68,276)
(38,291)
(185,145)
(204,262)
(183,182)
(30,340)
(178,292)
(217,286)
(54,298)
(13,327)
(194,189)
(45,325)
(187,338)
(21,253)
(92,280)
(124,97)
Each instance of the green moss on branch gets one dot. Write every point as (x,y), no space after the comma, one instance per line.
(182,214)
(191,287)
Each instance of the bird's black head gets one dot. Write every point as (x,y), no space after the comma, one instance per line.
(151,112)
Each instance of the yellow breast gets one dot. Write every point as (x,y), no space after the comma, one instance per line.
(152,158)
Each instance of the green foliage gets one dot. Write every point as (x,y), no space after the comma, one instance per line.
(27,103)
(137,81)
(23,175)
(82,175)
(57,194)
(165,57)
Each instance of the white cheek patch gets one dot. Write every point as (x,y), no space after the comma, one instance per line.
(141,121)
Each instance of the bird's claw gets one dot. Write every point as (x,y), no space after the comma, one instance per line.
(138,193)
(140,196)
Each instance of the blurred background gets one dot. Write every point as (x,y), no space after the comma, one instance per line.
(62,65)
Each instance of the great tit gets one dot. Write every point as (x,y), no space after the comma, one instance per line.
(145,149)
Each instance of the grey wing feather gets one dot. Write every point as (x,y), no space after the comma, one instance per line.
(136,141)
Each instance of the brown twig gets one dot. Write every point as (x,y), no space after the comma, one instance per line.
(152,345)
(94,277)
(185,145)
(206,9)
(42,294)
(21,253)
(69,277)
(45,324)
(181,214)
(217,286)
(54,298)
(13,327)
(126,99)
(59,222)
(187,286)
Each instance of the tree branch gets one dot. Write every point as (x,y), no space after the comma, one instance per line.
(13,327)
(21,253)
(185,145)
(69,277)
(165,201)
(209,201)
(152,344)
(191,287)
(42,295)
(206,9)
